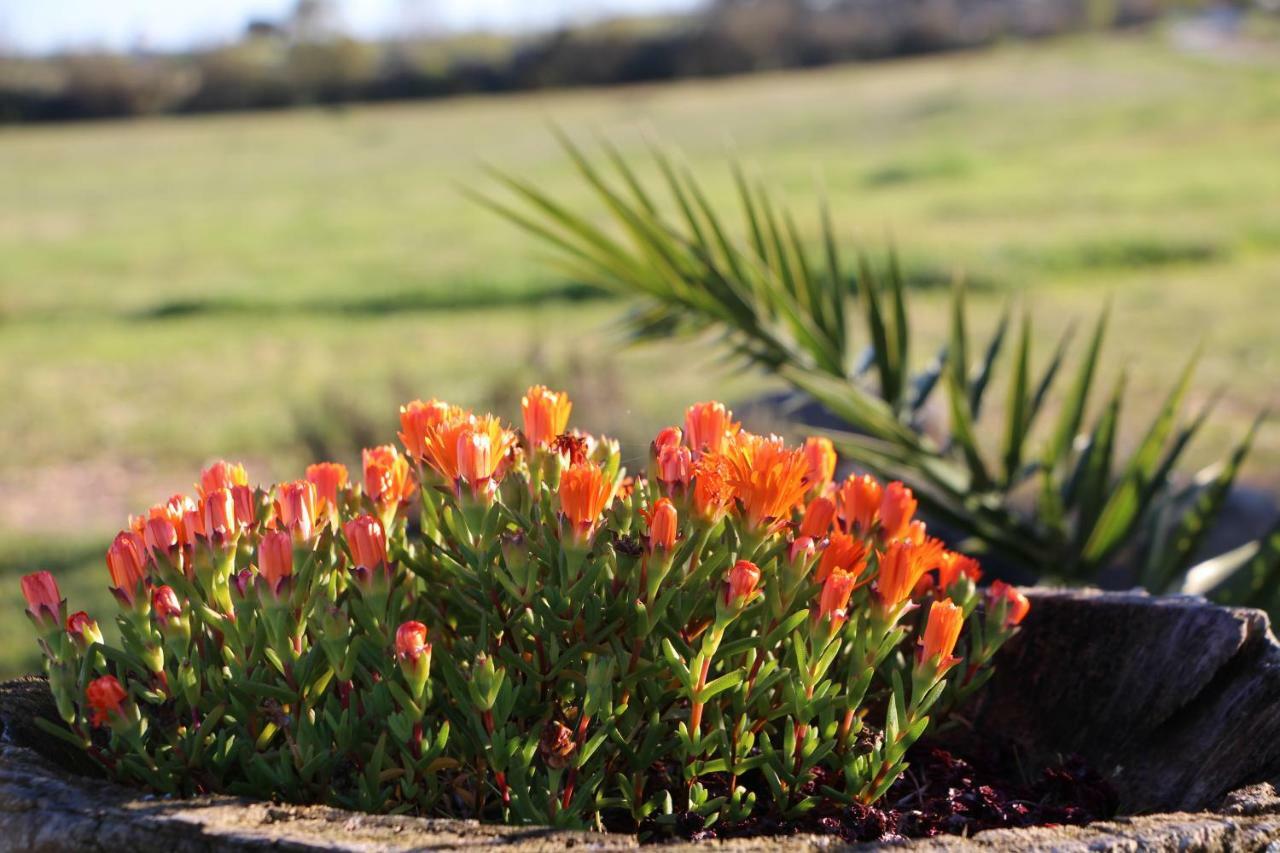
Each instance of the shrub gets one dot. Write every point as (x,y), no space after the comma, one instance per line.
(503,625)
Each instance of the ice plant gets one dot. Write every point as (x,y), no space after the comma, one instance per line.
(533,636)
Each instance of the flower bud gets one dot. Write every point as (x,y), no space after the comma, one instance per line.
(707,427)
(664,525)
(843,553)
(414,654)
(940,635)
(897,507)
(952,566)
(802,550)
(275,560)
(296,509)
(556,746)
(817,518)
(107,698)
(218,517)
(45,605)
(834,598)
(821,456)
(160,537)
(125,562)
(368,545)
(165,605)
(387,481)
(330,479)
(1003,597)
(222,475)
(740,587)
(584,493)
(83,630)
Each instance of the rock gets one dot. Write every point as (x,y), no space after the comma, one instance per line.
(1176,700)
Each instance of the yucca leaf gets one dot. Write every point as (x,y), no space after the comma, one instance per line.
(1087,488)
(1125,505)
(869,290)
(957,392)
(982,375)
(901,333)
(1015,433)
(1195,522)
(1046,378)
(926,380)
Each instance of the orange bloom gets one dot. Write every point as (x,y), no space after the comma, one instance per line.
(585,492)
(951,566)
(246,512)
(707,426)
(218,515)
(546,414)
(222,475)
(159,535)
(821,456)
(767,478)
(901,566)
(367,541)
(275,558)
(817,518)
(411,641)
(44,601)
(664,524)
(668,437)
(834,598)
(941,633)
(165,604)
(712,493)
(296,508)
(482,446)
(740,586)
(106,697)
(419,419)
(843,553)
(896,510)
(125,562)
(329,478)
(860,503)
(387,481)
(1018,604)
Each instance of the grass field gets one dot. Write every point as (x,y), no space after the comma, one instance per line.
(180,289)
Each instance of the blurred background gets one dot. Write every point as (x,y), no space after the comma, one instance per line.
(237,228)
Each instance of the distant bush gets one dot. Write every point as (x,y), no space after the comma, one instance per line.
(278,66)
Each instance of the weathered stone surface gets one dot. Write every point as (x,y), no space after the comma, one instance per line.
(1178,701)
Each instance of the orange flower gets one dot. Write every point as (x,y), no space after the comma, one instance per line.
(896,510)
(740,585)
(329,478)
(707,426)
(901,566)
(411,641)
(712,492)
(387,481)
(860,503)
(1017,604)
(222,475)
(218,516)
(668,437)
(940,634)
(951,566)
(159,535)
(44,601)
(419,419)
(482,446)
(275,559)
(246,512)
(843,553)
(817,518)
(125,562)
(834,598)
(821,456)
(106,697)
(367,541)
(296,509)
(767,478)
(664,524)
(585,492)
(546,414)
(165,604)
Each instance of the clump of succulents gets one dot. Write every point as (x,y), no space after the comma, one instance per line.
(504,625)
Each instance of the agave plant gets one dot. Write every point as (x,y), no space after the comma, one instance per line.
(1058,500)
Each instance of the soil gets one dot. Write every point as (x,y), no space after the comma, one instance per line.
(941,793)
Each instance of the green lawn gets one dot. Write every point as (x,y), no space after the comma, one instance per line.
(178,289)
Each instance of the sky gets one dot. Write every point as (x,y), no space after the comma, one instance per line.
(39,26)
